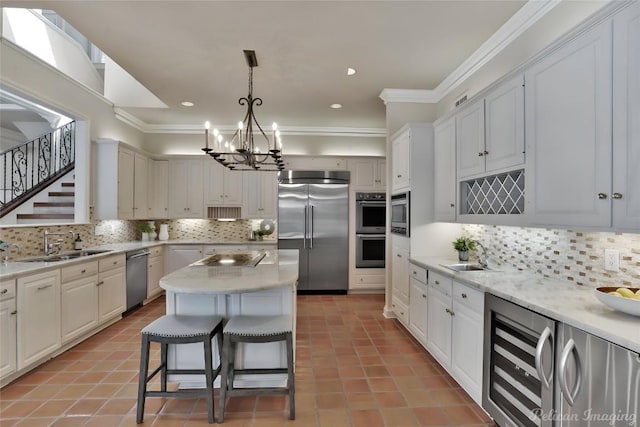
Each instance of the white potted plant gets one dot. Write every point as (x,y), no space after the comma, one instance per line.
(463,245)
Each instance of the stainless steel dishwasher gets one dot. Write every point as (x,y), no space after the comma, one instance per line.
(136,277)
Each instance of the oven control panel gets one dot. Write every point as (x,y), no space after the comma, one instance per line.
(371,196)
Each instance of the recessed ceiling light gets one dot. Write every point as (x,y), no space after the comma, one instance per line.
(187,104)
(351,71)
(335,106)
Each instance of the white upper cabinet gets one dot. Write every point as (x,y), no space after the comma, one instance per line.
(568,133)
(158,189)
(223,186)
(401,161)
(626,119)
(121,191)
(186,191)
(140,186)
(470,140)
(490,132)
(260,195)
(504,126)
(368,174)
(445,170)
(126,164)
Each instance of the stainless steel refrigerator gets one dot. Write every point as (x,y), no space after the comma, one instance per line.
(313,217)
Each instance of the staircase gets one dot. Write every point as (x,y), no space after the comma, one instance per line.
(59,207)
(36,179)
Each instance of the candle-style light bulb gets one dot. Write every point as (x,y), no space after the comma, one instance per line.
(207,125)
(219,141)
(240,126)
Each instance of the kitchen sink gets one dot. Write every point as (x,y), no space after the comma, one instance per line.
(467,267)
(65,256)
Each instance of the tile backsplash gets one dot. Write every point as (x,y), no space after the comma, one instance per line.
(576,256)
(30,239)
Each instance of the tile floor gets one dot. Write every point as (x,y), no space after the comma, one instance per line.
(354,368)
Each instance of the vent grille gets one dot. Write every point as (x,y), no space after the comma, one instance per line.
(223,212)
(498,194)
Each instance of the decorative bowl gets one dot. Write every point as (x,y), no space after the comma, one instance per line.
(626,305)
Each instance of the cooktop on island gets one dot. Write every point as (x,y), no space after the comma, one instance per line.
(231,259)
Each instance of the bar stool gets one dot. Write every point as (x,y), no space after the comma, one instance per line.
(176,329)
(256,329)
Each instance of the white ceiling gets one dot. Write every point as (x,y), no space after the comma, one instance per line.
(192,50)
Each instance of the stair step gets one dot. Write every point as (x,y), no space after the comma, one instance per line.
(68,184)
(53,204)
(62,193)
(45,216)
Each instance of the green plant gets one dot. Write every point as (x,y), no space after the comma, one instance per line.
(143,227)
(464,244)
(259,233)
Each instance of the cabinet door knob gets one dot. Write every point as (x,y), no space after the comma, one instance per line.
(486,152)
(415,272)
(464,295)
(452,205)
(399,256)
(84,270)
(617,195)
(602,196)
(424,296)
(437,283)
(4,291)
(480,154)
(399,176)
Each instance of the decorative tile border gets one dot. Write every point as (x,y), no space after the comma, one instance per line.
(575,256)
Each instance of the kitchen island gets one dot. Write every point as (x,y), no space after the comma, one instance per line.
(269,288)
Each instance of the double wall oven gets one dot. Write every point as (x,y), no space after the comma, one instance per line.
(370,230)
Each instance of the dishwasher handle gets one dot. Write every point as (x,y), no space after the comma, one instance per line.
(138,255)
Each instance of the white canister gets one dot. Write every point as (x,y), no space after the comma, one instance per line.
(164,232)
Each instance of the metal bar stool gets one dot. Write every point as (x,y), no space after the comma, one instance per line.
(175,329)
(256,329)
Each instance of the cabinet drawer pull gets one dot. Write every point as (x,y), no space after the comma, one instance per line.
(398,176)
(617,195)
(480,154)
(115,262)
(451,313)
(100,283)
(424,296)
(602,196)
(84,270)
(4,291)
(486,152)
(40,288)
(14,312)
(437,283)
(399,256)
(464,295)
(415,272)
(452,205)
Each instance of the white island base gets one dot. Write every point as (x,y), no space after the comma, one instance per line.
(275,295)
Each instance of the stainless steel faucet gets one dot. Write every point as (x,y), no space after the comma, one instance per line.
(482,259)
(49,247)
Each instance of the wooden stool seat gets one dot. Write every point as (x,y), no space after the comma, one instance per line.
(256,329)
(176,329)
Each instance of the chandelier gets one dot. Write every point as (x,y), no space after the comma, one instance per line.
(243,152)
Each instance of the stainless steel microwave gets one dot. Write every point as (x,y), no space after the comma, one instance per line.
(400,209)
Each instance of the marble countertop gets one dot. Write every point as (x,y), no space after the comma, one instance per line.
(278,268)
(560,300)
(16,268)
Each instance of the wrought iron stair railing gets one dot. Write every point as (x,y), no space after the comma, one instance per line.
(32,166)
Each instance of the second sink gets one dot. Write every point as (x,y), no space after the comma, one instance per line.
(466,267)
(63,256)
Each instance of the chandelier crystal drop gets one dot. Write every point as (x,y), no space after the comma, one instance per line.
(243,152)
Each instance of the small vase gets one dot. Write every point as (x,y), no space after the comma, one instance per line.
(463,255)
(145,237)
(164,232)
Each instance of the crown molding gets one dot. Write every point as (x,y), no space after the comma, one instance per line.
(521,21)
(417,96)
(530,13)
(227,129)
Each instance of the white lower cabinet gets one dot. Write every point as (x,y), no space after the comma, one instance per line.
(467,339)
(401,310)
(455,331)
(38,316)
(439,325)
(400,269)
(79,307)
(112,293)
(181,256)
(418,310)
(155,271)
(8,326)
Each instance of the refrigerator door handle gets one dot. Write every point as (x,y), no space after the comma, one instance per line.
(570,395)
(304,239)
(544,337)
(311,230)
